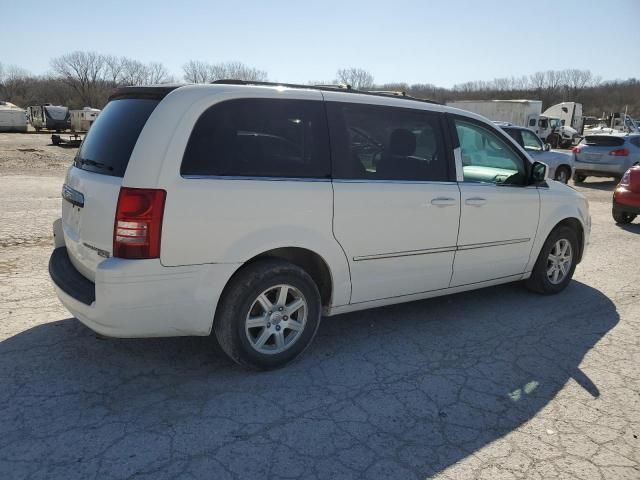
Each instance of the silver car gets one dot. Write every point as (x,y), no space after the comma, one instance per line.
(560,163)
(606,156)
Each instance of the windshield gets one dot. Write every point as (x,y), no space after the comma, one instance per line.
(554,123)
(109,144)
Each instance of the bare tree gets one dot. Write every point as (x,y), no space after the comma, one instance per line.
(84,72)
(202,72)
(113,68)
(356,77)
(196,71)
(576,81)
(237,71)
(14,84)
(133,72)
(157,73)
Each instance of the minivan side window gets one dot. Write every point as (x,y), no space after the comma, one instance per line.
(486,157)
(371,142)
(258,137)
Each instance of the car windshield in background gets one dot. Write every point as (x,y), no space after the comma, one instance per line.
(109,143)
(603,141)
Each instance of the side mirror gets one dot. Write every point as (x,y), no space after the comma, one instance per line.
(547,147)
(538,173)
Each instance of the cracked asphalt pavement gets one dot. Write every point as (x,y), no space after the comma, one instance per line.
(493,384)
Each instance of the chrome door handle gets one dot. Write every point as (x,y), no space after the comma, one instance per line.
(443,201)
(475,201)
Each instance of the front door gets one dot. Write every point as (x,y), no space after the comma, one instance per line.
(396,202)
(499,213)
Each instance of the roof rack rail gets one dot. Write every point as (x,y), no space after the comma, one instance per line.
(329,88)
(394,93)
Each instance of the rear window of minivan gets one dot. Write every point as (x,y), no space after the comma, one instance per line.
(603,141)
(110,141)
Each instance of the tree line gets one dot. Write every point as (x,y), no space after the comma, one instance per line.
(80,79)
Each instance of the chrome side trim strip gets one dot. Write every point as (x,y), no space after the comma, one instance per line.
(493,244)
(404,254)
(429,251)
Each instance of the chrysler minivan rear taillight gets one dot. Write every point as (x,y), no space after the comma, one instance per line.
(138,226)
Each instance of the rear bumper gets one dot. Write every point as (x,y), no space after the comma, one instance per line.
(141,298)
(600,169)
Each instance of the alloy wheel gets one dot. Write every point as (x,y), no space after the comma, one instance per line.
(559,261)
(276,319)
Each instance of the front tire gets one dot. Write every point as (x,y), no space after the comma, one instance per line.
(623,218)
(268,315)
(556,262)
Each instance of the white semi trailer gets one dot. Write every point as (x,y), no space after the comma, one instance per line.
(527,113)
(524,113)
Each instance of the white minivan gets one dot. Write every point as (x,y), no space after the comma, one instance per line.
(251,210)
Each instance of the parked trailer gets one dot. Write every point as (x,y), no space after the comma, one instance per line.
(12,118)
(49,117)
(523,113)
(81,120)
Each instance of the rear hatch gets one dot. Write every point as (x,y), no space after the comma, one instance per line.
(596,149)
(92,185)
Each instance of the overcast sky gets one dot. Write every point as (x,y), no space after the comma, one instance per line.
(443,42)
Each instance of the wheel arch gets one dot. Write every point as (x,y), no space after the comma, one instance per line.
(562,215)
(575,224)
(311,262)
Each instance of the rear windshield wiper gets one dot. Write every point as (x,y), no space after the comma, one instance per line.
(93,163)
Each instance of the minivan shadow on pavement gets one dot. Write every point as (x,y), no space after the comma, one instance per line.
(399,392)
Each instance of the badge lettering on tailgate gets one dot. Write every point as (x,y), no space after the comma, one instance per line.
(72,196)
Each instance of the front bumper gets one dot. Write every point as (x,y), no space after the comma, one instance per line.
(625,208)
(141,298)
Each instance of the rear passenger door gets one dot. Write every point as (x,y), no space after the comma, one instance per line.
(396,204)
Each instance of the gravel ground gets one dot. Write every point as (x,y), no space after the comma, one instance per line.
(493,384)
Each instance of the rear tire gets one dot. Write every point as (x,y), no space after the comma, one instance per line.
(257,323)
(579,178)
(556,262)
(623,218)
